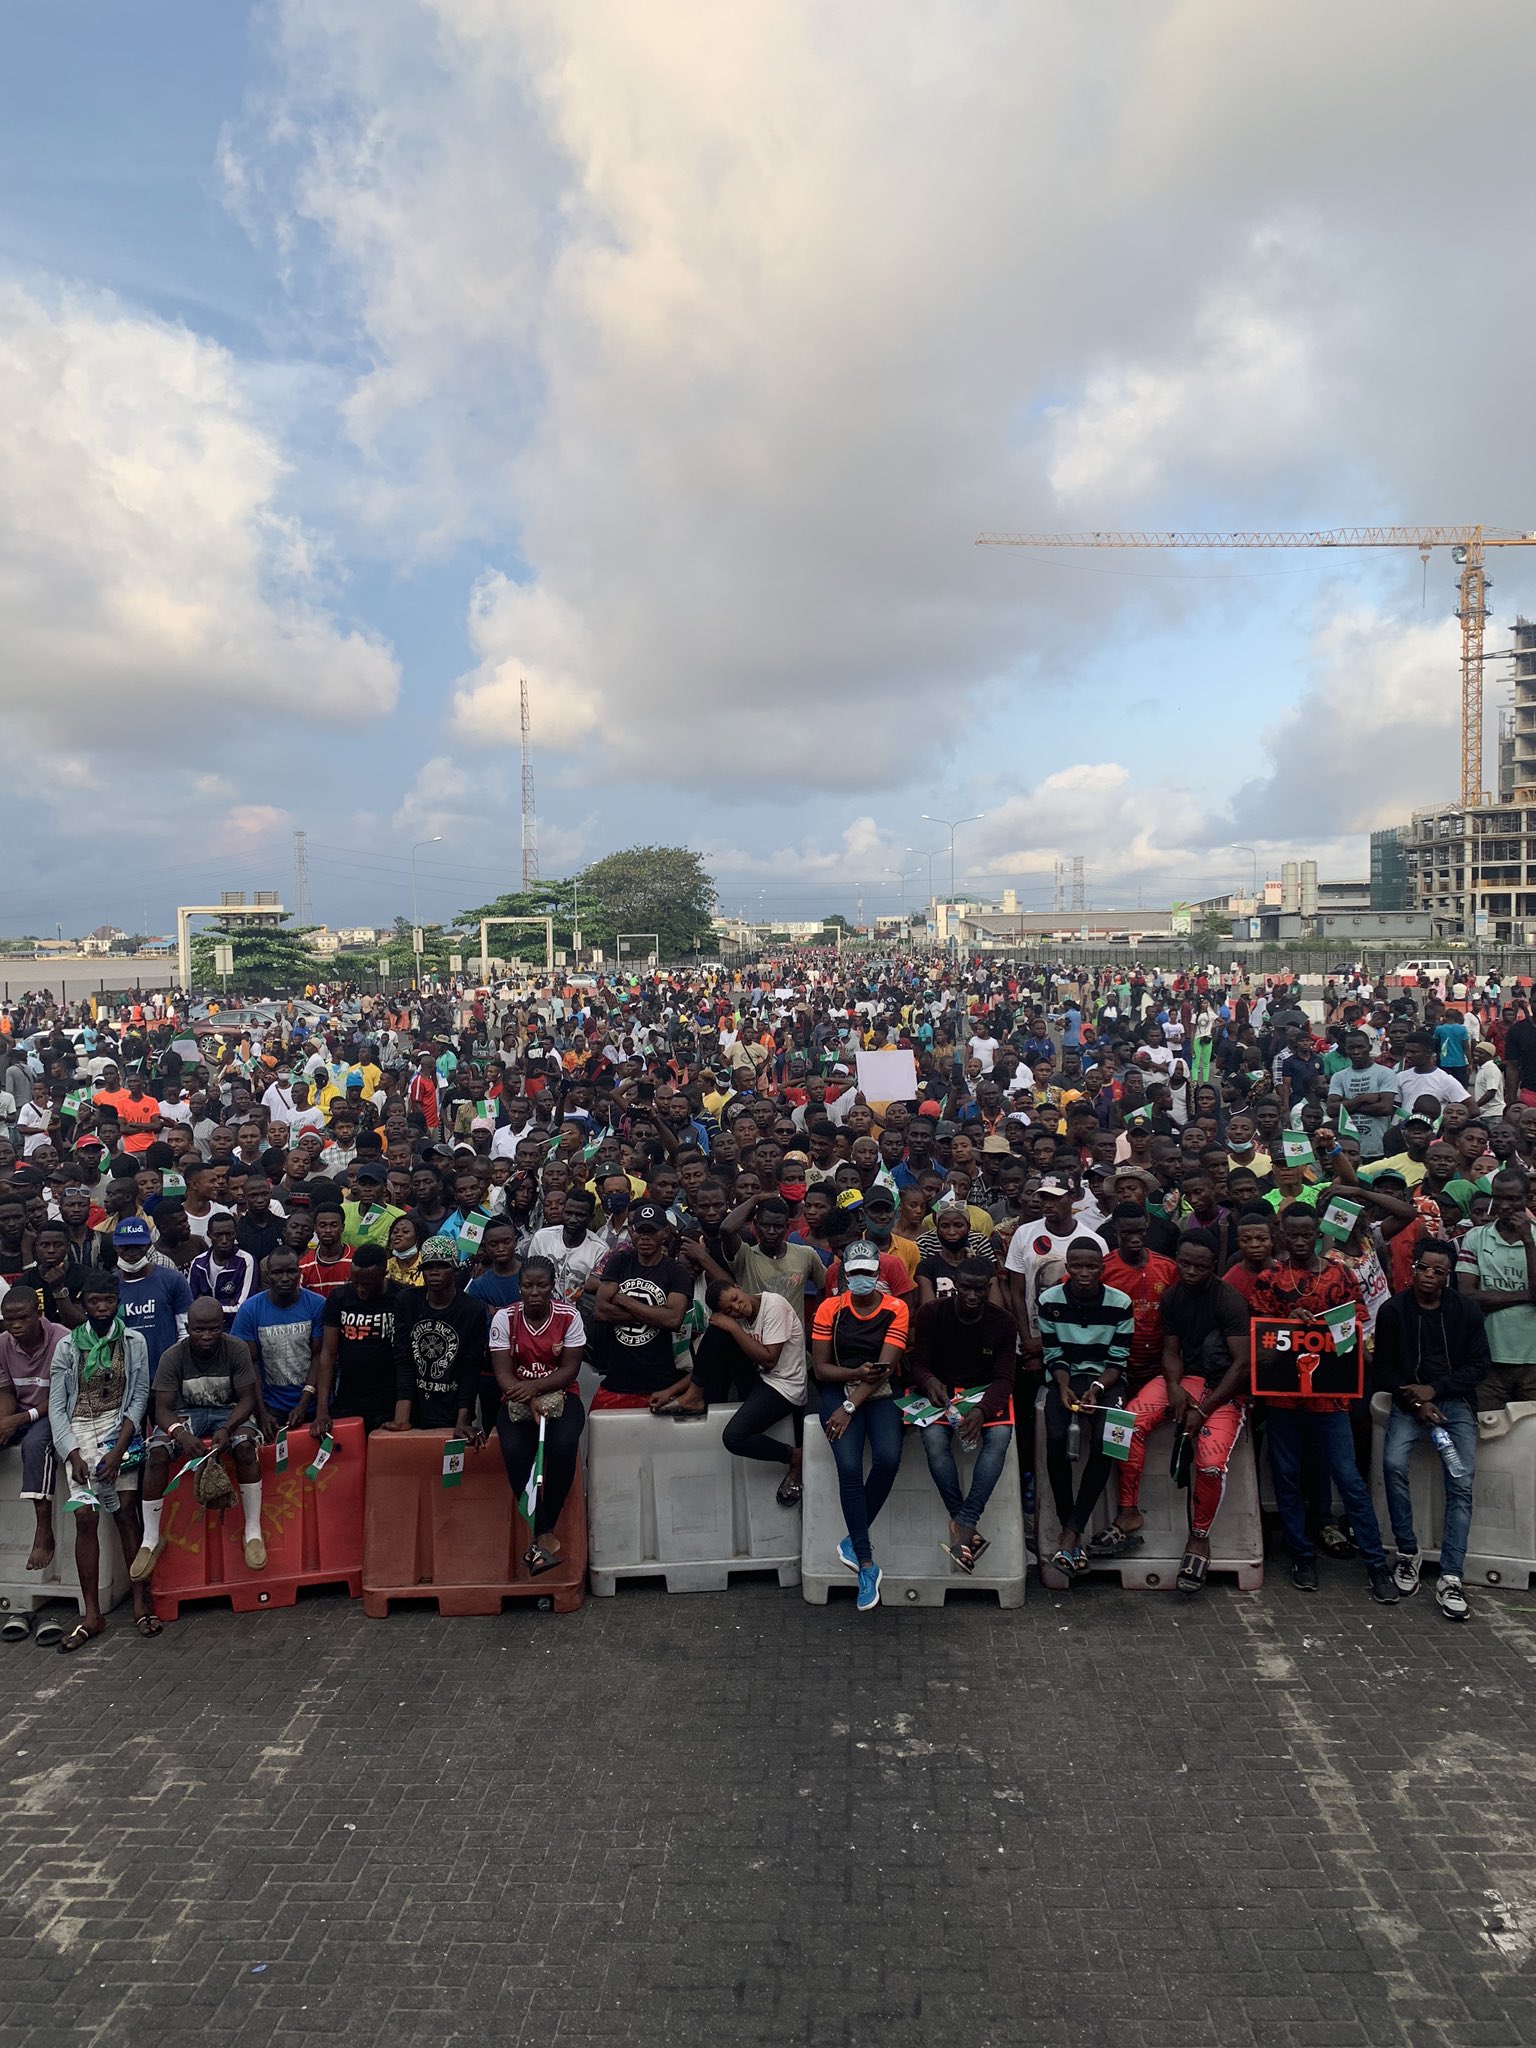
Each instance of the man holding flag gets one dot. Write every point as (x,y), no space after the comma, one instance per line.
(1305,1287)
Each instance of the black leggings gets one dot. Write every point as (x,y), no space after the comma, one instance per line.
(562,1446)
(1074,1514)
(746,1434)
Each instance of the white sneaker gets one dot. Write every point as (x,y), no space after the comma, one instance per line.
(1451,1600)
(1405,1575)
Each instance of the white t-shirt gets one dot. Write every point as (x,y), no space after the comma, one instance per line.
(1032,1244)
(574,1264)
(983,1049)
(198,1225)
(1443,1086)
(778,1322)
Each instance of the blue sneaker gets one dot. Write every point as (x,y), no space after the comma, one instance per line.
(845,1553)
(869,1587)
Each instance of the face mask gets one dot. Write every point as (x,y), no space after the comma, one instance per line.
(1234,1146)
(863,1283)
(133,1265)
(615,1204)
(792,1190)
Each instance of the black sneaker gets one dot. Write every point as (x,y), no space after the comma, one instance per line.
(1383,1586)
(1304,1575)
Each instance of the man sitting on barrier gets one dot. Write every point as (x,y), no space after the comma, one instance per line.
(963,1341)
(643,1295)
(857,1342)
(1085,1335)
(97,1394)
(440,1348)
(755,1347)
(1431,1355)
(205,1400)
(536,1348)
(27,1346)
(1202,1385)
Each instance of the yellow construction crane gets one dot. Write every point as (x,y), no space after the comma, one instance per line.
(1467,544)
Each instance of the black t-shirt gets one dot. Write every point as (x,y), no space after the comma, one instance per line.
(75,1277)
(259,1238)
(1520,1050)
(940,1275)
(365,1350)
(1191,1314)
(962,1354)
(1162,1234)
(439,1355)
(636,1358)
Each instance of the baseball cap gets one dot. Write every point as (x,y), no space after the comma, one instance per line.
(943,1129)
(440,1251)
(862,1257)
(371,1172)
(482,1123)
(996,1143)
(1052,1186)
(879,1198)
(850,1198)
(647,1216)
(928,1109)
(132,1230)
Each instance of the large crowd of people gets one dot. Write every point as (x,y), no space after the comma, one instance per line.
(433,1210)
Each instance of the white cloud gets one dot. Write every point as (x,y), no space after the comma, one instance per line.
(153,587)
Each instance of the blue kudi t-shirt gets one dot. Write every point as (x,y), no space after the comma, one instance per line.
(280,1339)
(152,1303)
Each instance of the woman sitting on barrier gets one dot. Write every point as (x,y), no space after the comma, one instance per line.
(536,1348)
(857,1341)
(755,1347)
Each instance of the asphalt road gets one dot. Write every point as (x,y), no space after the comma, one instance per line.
(1107,1818)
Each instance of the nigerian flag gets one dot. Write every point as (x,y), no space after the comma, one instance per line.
(1341,1321)
(529,1500)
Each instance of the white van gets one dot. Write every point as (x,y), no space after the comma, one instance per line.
(1407,970)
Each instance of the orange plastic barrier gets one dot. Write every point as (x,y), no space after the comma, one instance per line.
(463,1545)
(313,1530)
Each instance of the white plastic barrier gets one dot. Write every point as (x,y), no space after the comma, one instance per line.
(1237,1534)
(665,1498)
(911,1530)
(1501,1547)
(23,1592)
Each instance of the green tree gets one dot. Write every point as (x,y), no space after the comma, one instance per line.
(1213,930)
(437,943)
(268,957)
(645,889)
(839,920)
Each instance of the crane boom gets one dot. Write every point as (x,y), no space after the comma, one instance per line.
(1471,607)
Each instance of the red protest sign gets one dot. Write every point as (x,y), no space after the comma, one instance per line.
(1299,1359)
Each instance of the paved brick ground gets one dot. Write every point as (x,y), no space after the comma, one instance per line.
(736,1818)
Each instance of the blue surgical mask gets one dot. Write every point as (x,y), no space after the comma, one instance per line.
(863,1283)
(615,1204)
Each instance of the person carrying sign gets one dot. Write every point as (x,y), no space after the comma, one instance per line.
(1305,1288)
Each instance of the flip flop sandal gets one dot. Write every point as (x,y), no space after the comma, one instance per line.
(1115,1541)
(979,1545)
(1192,1571)
(77,1639)
(531,1556)
(148,1625)
(16,1628)
(1069,1561)
(1080,1563)
(788,1495)
(542,1563)
(961,1555)
(47,1634)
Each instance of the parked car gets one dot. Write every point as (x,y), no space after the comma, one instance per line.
(1406,970)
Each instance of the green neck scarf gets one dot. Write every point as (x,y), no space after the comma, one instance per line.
(97,1353)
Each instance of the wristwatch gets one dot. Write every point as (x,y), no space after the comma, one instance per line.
(852,1410)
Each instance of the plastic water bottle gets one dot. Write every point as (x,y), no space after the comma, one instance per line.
(1440,1437)
(1074,1439)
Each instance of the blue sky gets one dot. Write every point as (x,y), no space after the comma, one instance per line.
(362,356)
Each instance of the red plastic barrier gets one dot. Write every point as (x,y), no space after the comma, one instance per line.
(463,1545)
(313,1530)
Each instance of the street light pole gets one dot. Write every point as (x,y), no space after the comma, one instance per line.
(952,825)
(435,840)
(923,854)
(1254,890)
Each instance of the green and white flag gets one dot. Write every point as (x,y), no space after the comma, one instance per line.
(962,1401)
(528,1503)
(323,1457)
(1119,1430)
(172,1184)
(74,1099)
(187,1470)
(453,1461)
(1344,1123)
(280,1451)
(917,1410)
(1296,1148)
(472,1229)
(80,1497)
(1340,1216)
(1341,1321)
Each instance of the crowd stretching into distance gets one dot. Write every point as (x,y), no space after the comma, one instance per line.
(454,1209)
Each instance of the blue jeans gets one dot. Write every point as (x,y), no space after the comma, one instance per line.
(991,1455)
(1287,1431)
(879,1424)
(1403,1432)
